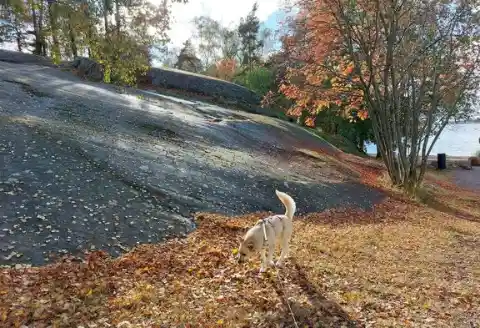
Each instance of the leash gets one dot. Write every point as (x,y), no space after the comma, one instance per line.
(286,300)
(265,244)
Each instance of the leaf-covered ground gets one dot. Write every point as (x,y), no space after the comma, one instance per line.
(401,265)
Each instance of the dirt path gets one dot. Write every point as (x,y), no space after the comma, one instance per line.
(84,166)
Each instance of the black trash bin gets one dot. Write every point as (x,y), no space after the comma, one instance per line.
(442,161)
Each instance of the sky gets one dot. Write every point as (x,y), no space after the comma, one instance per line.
(227,12)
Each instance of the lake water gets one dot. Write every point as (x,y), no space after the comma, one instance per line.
(456,140)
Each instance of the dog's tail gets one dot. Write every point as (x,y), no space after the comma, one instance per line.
(288,202)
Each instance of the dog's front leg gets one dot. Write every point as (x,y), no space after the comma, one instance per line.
(263,266)
(271,250)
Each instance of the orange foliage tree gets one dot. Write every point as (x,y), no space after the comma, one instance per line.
(226,68)
(412,66)
(320,74)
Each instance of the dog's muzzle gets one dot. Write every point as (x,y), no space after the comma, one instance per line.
(240,259)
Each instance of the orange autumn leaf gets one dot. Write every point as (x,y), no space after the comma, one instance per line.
(310,121)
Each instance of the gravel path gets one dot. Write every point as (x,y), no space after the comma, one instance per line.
(468,178)
(86,167)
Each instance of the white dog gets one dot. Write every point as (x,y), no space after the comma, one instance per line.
(267,232)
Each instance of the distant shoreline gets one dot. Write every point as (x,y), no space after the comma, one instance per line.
(457,140)
(434,157)
(475,121)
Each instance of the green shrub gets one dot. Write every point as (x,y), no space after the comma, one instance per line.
(330,121)
(260,80)
(124,59)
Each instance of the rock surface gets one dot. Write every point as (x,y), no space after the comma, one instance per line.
(88,68)
(220,90)
(176,79)
(466,165)
(84,167)
(474,161)
(23,58)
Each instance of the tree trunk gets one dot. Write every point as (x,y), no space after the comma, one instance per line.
(19,41)
(386,147)
(91,42)
(379,154)
(38,40)
(73,44)
(361,145)
(71,35)
(90,34)
(53,24)
(18,33)
(117,16)
(410,185)
(43,44)
(105,15)
(105,19)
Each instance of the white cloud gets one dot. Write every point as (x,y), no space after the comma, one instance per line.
(227,12)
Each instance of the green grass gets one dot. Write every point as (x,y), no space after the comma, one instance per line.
(340,142)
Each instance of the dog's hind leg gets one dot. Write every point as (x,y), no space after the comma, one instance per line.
(285,249)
